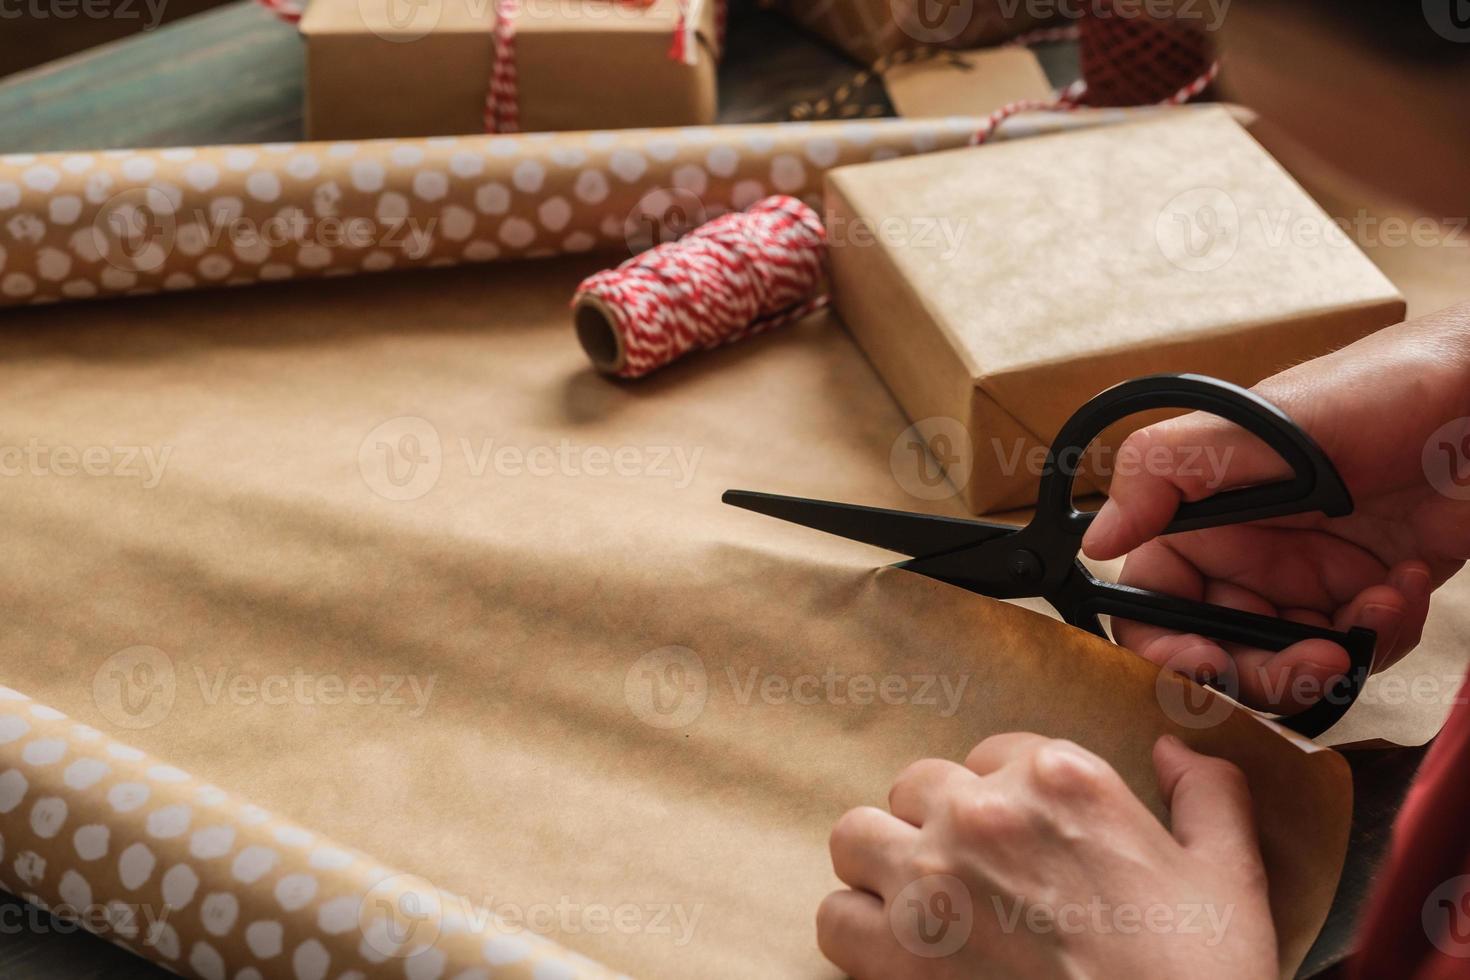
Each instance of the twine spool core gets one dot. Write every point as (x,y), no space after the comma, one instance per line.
(599,338)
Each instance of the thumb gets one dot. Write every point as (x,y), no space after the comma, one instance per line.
(1159,466)
(1209,803)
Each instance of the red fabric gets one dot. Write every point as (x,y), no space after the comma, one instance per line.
(1418,925)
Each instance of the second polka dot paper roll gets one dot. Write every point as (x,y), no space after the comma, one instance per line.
(123,222)
(214,887)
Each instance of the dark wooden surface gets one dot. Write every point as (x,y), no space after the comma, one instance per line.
(234,75)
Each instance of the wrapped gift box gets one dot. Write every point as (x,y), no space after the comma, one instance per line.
(1002,286)
(377,68)
(869,29)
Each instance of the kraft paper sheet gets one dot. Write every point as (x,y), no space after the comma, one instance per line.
(405,573)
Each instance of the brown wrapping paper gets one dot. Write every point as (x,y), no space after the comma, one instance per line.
(970,83)
(127,222)
(1021,280)
(584,684)
(212,886)
(379,68)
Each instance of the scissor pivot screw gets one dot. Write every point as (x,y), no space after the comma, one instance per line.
(1024,565)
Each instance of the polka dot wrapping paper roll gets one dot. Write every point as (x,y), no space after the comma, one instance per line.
(126,222)
(211,886)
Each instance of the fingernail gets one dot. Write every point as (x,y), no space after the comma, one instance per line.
(1377,616)
(1414,582)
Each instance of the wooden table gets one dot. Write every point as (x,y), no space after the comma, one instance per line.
(234,75)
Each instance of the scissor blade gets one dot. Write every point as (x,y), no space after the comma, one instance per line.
(915,535)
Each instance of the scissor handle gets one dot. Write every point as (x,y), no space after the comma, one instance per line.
(1313,486)
(1091,598)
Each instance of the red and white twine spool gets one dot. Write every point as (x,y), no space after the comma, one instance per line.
(740,274)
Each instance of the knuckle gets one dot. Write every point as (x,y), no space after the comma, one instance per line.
(829,914)
(1062,769)
(928,862)
(913,774)
(850,826)
(987,815)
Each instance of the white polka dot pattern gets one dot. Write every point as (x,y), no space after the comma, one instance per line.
(77,226)
(212,887)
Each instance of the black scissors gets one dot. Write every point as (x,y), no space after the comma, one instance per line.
(1040,559)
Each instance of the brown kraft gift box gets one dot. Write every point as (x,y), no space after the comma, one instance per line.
(1002,286)
(380,68)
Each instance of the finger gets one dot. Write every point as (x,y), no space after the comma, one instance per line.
(1284,682)
(1416,584)
(922,789)
(853,932)
(998,751)
(868,846)
(1209,804)
(1295,566)
(1160,466)
(1159,568)
(1289,680)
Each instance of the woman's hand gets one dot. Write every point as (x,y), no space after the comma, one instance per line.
(1035,860)
(1373,407)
